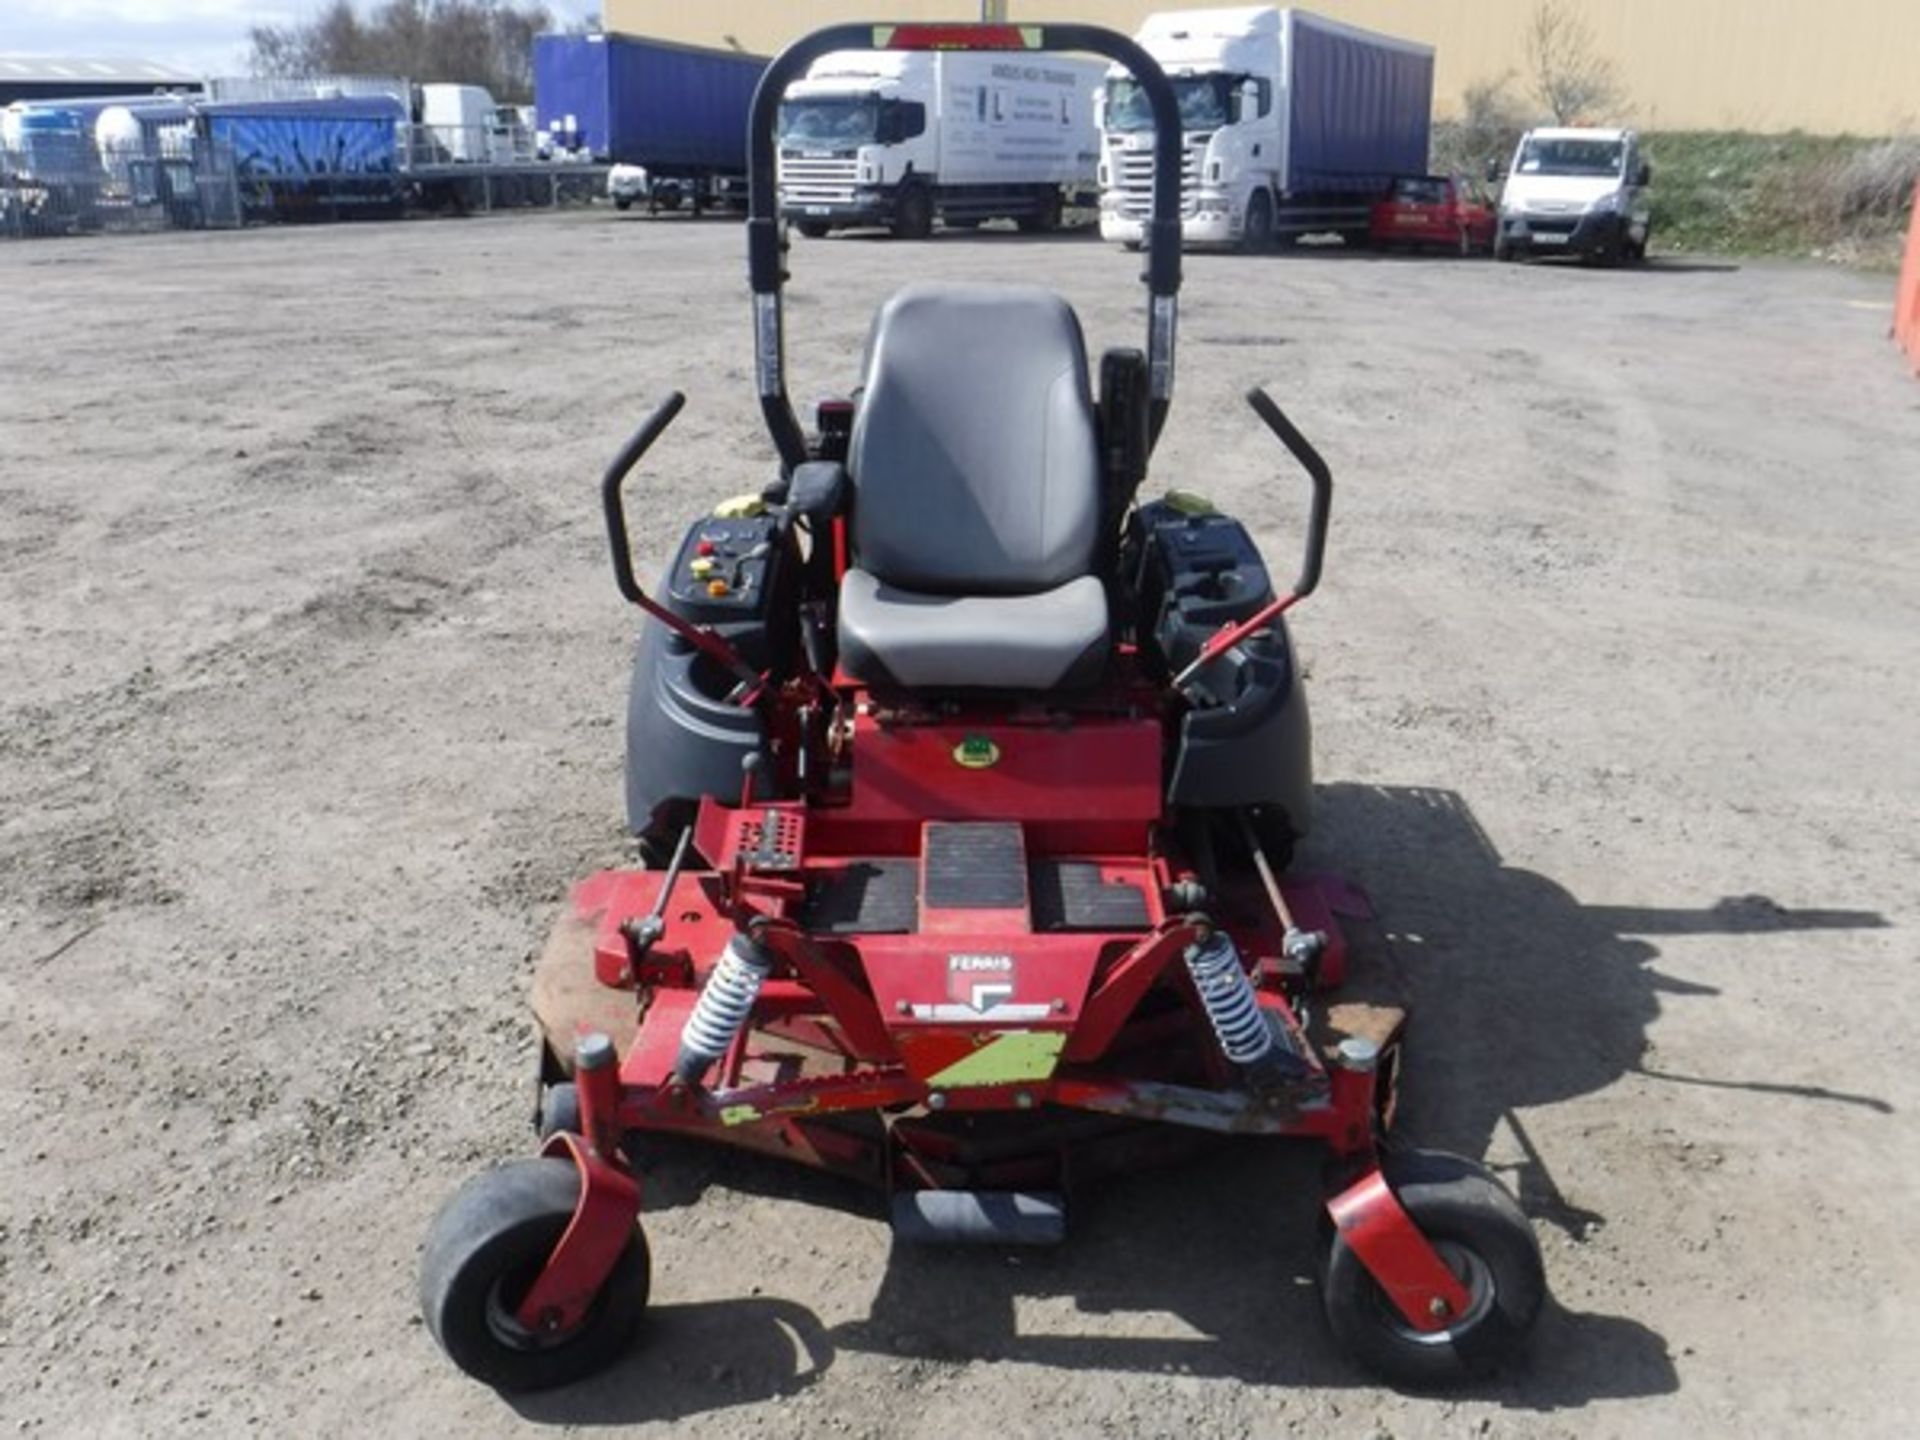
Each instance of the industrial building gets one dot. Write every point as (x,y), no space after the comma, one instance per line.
(44,77)
(1842,67)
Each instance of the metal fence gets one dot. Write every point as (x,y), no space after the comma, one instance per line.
(190,185)
(427,146)
(307,87)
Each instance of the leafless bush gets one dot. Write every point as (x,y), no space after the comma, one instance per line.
(1491,119)
(1878,182)
(1571,78)
(474,42)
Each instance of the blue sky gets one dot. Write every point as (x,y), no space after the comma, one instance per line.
(200,35)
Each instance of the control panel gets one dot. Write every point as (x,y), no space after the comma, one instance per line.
(733,573)
(722,571)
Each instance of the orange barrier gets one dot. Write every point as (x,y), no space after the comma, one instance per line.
(1906,297)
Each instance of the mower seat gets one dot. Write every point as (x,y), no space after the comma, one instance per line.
(976,496)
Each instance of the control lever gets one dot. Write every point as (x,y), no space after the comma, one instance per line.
(1298,446)
(645,932)
(701,637)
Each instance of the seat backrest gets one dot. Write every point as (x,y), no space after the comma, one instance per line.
(974,460)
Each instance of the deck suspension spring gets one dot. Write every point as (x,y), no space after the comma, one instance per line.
(1227,995)
(724,1004)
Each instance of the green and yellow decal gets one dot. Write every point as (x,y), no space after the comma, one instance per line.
(1013,1057)
(976,752)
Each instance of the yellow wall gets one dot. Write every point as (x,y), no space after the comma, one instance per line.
(1846,65)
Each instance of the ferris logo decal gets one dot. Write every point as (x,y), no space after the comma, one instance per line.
(980,981)
(980,986)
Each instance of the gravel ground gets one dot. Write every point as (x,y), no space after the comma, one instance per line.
(311,686)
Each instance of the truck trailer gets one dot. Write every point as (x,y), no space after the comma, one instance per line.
(1293,125)
(901,139)
(677,111)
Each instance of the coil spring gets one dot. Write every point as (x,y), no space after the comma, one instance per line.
(724,1004)
(1227,995)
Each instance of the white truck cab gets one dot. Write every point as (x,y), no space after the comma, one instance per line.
(1292,123)
(1223,65)
(1575,191)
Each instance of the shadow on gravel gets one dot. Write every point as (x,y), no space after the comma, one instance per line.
(1522,997)
(692,1360)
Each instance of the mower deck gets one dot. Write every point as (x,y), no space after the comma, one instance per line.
(1028,1048)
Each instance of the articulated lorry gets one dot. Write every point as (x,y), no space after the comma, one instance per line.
(677,111)
(902,139)
(1294,124)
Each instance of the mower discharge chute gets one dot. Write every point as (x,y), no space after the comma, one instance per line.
(966,783)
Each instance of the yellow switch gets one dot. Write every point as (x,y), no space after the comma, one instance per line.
(701,567)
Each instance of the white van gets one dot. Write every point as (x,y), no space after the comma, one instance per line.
(1575,192)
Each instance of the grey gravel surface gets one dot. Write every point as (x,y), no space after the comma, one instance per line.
(309,712)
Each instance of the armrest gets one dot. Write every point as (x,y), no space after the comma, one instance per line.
(818,490)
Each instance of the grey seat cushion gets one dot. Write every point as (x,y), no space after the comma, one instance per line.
(1054,639)
(974,461)
(976,496)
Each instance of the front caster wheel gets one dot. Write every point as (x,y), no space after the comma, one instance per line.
(487,1246)
(1478,1230)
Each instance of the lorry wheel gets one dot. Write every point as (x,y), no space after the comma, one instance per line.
(1256,234)
(1045,215)
(812,229)
(913,214)
(623,202)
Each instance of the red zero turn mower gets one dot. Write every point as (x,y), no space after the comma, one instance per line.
(965,781)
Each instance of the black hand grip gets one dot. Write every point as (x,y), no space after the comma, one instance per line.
(1317,471)
(610,500)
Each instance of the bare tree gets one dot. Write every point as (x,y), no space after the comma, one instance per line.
(473,42)
(1570,77)
(1490,121)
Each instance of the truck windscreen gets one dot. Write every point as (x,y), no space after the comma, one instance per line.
(829,123)
(1203,103)
(1571,157)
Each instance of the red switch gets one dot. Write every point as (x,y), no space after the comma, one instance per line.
(703,547)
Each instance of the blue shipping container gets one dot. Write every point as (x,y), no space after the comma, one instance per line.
(1360,110)
(645,102)
(290,141)
(316,157)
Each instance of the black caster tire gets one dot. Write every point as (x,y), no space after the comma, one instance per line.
(1479,1231)
(486,1246)
(559,1110)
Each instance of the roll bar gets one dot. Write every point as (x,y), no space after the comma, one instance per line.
(766,271)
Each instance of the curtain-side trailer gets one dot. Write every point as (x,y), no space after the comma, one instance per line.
(678,111)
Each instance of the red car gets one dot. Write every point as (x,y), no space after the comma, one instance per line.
(1434,210)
